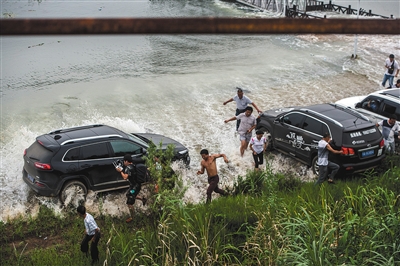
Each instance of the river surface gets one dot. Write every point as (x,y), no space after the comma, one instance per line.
(168,84)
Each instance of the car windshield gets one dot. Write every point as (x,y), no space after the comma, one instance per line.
(137,140)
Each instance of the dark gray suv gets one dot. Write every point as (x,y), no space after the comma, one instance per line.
(296,132)
(68,162)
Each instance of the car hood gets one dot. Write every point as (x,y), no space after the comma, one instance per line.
(350,101)
(157,138)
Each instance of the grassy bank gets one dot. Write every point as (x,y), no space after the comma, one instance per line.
(271,219)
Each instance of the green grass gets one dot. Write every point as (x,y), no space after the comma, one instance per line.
(271,219)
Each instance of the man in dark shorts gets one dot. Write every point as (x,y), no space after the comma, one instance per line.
(209,164)
(128,172)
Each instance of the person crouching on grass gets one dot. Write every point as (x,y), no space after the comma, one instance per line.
(92,232)
(258,145)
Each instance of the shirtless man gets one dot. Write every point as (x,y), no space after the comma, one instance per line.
(209,164)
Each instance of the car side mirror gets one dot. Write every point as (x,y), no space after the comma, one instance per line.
(358,105)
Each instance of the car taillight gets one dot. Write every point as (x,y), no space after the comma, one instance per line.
(24,152)
(348,151)
(381,143)
(43,166)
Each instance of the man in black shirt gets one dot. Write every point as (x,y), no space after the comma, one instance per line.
(128,172)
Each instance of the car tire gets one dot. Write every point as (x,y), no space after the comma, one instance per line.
(268,136)
(73,193)
(314,165)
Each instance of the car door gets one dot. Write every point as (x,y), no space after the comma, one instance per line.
(95,163)
(121,147)
(286,132)
(312,133)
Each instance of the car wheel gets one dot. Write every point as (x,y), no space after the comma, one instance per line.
(314,165)
(73,194)
(268,136)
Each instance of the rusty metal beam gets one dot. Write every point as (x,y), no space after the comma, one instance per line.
(210,25)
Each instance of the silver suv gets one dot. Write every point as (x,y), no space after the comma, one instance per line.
(377,106)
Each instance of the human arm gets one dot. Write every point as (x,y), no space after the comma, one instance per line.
(230,119)
(333,150)
(379,123)
(221,155)
(201,171)
(121,171)
(255,106)
(228,101)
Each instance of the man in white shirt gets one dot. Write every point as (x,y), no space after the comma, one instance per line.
(389,128)
(92,232)
(242,102)
(392,70)
(324,164)
(246,127)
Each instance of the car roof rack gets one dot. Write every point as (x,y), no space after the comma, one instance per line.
(64,130)
(89,138)
(351,111)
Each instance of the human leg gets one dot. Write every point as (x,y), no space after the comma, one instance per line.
(85,244)
(323,170)
(94,251)
(213,186)
(243,146)
(335,169)
(217,189)
(255,157)
(385,78)
(391,78)
(260,159)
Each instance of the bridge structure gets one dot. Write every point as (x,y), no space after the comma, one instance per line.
(299,8)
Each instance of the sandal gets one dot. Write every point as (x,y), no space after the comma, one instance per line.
(331,181)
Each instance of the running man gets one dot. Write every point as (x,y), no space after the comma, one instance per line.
(246,127)
(209,164)
(242,101)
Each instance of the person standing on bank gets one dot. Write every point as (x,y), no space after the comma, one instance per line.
(258,145)
(92,232)
(208,163)
(389,127)
(392,70)
(128,172)
(248,123)
(324,164)
(242,101)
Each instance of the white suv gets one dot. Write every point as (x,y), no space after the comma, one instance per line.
(377,106)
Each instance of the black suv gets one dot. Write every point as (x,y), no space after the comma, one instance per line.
(68,162)
(296,132)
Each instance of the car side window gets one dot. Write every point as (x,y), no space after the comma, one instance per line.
(121,148)
(388,109)
(312,125)
(72,155)
(371,104)
(94,151)
(294,119)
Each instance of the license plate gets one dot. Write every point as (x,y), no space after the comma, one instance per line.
(31,178)
(367,153)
